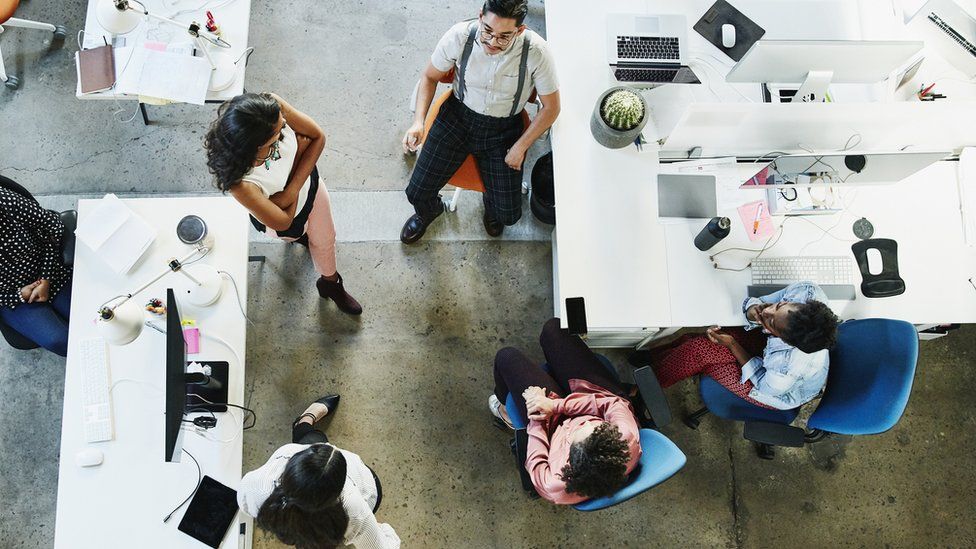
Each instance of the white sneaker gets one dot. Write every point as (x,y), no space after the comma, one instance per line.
(494,406)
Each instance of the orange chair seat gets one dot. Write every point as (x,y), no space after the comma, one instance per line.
(7,9)
(467,177)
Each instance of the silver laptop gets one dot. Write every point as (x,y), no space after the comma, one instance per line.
(686,196)
(649,49)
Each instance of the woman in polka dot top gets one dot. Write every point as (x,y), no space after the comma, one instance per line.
(35,284)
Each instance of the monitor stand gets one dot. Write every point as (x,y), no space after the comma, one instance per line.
(212,388)
(814,88)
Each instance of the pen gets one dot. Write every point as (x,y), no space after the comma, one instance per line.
(971,283)
(755,224)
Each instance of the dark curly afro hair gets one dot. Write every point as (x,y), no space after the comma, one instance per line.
(811,327)
(598,464)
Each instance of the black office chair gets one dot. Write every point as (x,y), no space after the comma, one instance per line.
(70,220)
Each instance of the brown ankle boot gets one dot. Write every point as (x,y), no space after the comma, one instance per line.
(338,294)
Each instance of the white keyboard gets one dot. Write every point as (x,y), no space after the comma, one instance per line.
(787,270)
(97,398)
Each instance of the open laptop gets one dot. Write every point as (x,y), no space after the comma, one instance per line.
(649,49)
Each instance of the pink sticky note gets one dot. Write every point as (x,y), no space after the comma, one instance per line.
(747,212)
(155,46)
(192,338)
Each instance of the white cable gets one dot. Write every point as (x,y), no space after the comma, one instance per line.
(722,77)
(240,361)
(240,304)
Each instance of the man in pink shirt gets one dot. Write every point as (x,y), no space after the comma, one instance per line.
(583,433)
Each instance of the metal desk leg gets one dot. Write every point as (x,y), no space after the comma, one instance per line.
(145,115)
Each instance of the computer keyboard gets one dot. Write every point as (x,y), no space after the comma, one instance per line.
(648,47)
(953,34)
(834,274)
(97,398)
(627,74)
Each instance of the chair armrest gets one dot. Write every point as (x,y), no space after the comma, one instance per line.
(70,220)
(520,447)
(653,397)
(774,434)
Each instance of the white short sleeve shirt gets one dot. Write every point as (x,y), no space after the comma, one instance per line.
(492,80)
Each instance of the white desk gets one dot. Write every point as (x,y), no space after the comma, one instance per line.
(640,277)
(122,502)
(233,16)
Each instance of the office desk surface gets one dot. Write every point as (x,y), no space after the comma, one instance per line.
(122,502)
(636,273)
(233,17)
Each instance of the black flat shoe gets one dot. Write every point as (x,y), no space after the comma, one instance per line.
(416,226)
(493,227)
(330,401)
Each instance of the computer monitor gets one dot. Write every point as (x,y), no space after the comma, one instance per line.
(815,64)
(175,378)
(179,383)
(846,168)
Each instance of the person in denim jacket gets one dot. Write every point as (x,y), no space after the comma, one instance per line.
(781,366)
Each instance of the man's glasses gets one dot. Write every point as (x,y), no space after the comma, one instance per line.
(500,39)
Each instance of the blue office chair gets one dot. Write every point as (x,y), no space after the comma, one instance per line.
(70,220)
(870,378)
(660,458)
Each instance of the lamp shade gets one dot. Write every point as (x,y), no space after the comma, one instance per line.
(115,20)
(124,325)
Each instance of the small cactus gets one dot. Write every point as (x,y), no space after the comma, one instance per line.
(622,110)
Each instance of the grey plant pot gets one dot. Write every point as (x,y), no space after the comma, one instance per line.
(610,137)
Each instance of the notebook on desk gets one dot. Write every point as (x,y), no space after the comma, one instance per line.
(96,69)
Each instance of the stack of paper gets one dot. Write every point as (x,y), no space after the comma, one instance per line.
(115,233)
(147,70)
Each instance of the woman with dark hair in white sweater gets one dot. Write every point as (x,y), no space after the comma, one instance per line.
(312,494)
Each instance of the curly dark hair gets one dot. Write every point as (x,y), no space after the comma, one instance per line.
(598,464)
(509,9)
(811,327)
(243,124)
(305,509)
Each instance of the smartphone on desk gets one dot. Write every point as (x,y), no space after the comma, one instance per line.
(576,316)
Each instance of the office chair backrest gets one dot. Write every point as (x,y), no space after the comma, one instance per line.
(870,378)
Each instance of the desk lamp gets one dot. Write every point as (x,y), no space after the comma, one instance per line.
(122,16)
(120,320)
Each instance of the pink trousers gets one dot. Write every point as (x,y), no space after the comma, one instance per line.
(321,232)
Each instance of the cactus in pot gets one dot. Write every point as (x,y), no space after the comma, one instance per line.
(619,117)
(622,110)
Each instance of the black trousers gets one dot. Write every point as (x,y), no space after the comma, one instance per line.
(303,433)
(568,358)
(457,132)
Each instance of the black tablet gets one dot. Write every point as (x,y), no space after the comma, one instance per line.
(210,513)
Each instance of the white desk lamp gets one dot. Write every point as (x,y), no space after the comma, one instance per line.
(120,320)
(121,17)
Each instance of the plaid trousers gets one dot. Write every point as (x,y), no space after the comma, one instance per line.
(457,132)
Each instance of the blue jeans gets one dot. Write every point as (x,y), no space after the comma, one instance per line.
(43,323)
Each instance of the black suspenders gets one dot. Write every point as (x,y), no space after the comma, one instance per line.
(463,64)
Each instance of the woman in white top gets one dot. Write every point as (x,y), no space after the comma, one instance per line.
(263,151)
(314,495)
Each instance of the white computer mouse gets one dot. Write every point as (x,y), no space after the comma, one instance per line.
(728,35)
(89,457)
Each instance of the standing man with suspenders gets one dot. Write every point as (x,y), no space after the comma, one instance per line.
(497,64)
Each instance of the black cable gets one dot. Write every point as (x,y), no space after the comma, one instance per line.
(199,480)
(244,426)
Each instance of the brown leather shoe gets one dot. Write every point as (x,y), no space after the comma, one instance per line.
(416,226)
(492,226)
(338,294)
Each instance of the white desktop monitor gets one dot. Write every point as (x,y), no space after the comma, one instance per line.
(846,168)
(815,64)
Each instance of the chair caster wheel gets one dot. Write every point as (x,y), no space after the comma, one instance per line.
(451,208)
(12,83)
(691,422)
(60,32)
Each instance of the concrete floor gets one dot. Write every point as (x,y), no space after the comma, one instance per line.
(415,370)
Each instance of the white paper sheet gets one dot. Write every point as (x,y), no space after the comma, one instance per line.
(967,193)
(117,235)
